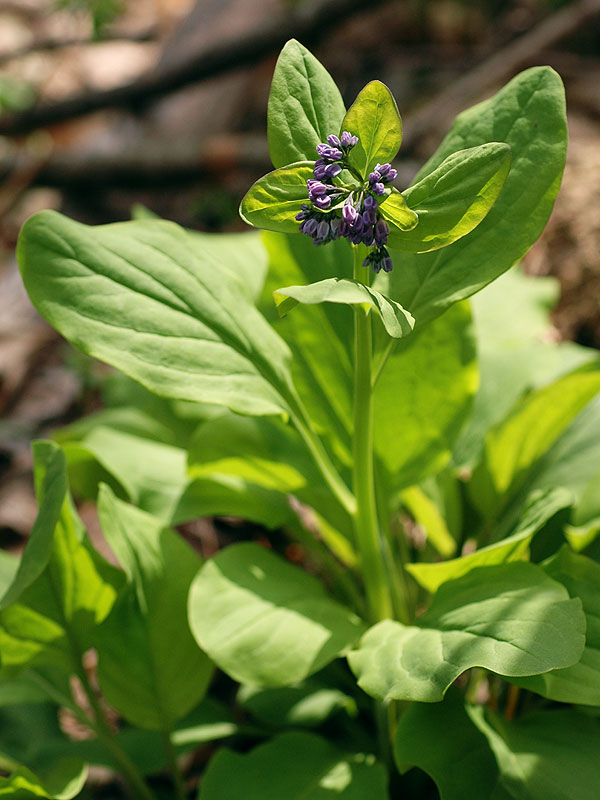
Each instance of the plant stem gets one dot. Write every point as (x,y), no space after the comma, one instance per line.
(368,537)
(321,457)
(174,765)
(137,785)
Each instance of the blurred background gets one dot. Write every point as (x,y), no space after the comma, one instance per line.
(112,105)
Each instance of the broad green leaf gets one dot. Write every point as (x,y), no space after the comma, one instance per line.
(274,200)
(514,548)
(54,619)
(230,495)
(139,296)
(453,199)
(548,755)
(306,705)
(395,319)
(320,337)
(165,673)
(305,106)
(9,564)
(151,474)
(513,358)
(423,396)
(529,115)
(441,739)
(270,458)
(511,619)
(374,118)
(265,622)
(241,257)
(581,682)
(514,446)
(294,766)
(64,781)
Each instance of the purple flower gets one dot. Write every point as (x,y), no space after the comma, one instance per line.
(329,153)
(333,140)
(381,232)
(349,213)
(347,140)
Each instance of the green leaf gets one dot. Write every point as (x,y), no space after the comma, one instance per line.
(319,337)
(64,781)
(305,106)
(138,296)
(426,513)
(442,740)
(417,420)
(165,673)
(511,619)
(513,358)
(241,258)
(308,704)
(513,447)
(542,507)
(294,766)
(374,118)
(529,115)
(399,216)
(548,755)
(581,682)
(54,618)
(265,622)
(453,199)
(396,320)
(274,200)
(151,474)
(52,491)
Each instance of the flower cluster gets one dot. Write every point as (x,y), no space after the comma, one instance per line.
(338,210)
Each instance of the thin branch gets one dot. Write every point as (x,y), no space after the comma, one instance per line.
(496,68)
(308,22)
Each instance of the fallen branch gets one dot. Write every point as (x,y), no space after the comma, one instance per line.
(308,21)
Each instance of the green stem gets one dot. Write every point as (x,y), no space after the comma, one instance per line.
(174,765)
(367,532)
(321,458)
(137,785)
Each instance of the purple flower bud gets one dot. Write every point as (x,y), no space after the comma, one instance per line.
(334,228)
(386,263)
(367,237)
(371,202)
(376,266)
(369,216)
(309,226)
(329,153)
(301,215)
(367,261)
(320,171)
(378,188)
(374,177)
(347,140)
(322,201)
(355,237)
(332,170)
(382,230)
(392,175)
(349,213)
(315,188)
(322,230)
(359,224)
(382,169)
(344,228)
(333,140)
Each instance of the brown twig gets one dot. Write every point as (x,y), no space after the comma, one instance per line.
(309,22)
(495,69)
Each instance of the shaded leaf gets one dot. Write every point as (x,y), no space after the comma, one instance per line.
(297,766)
(165,673)
(264,621)
(63,782)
